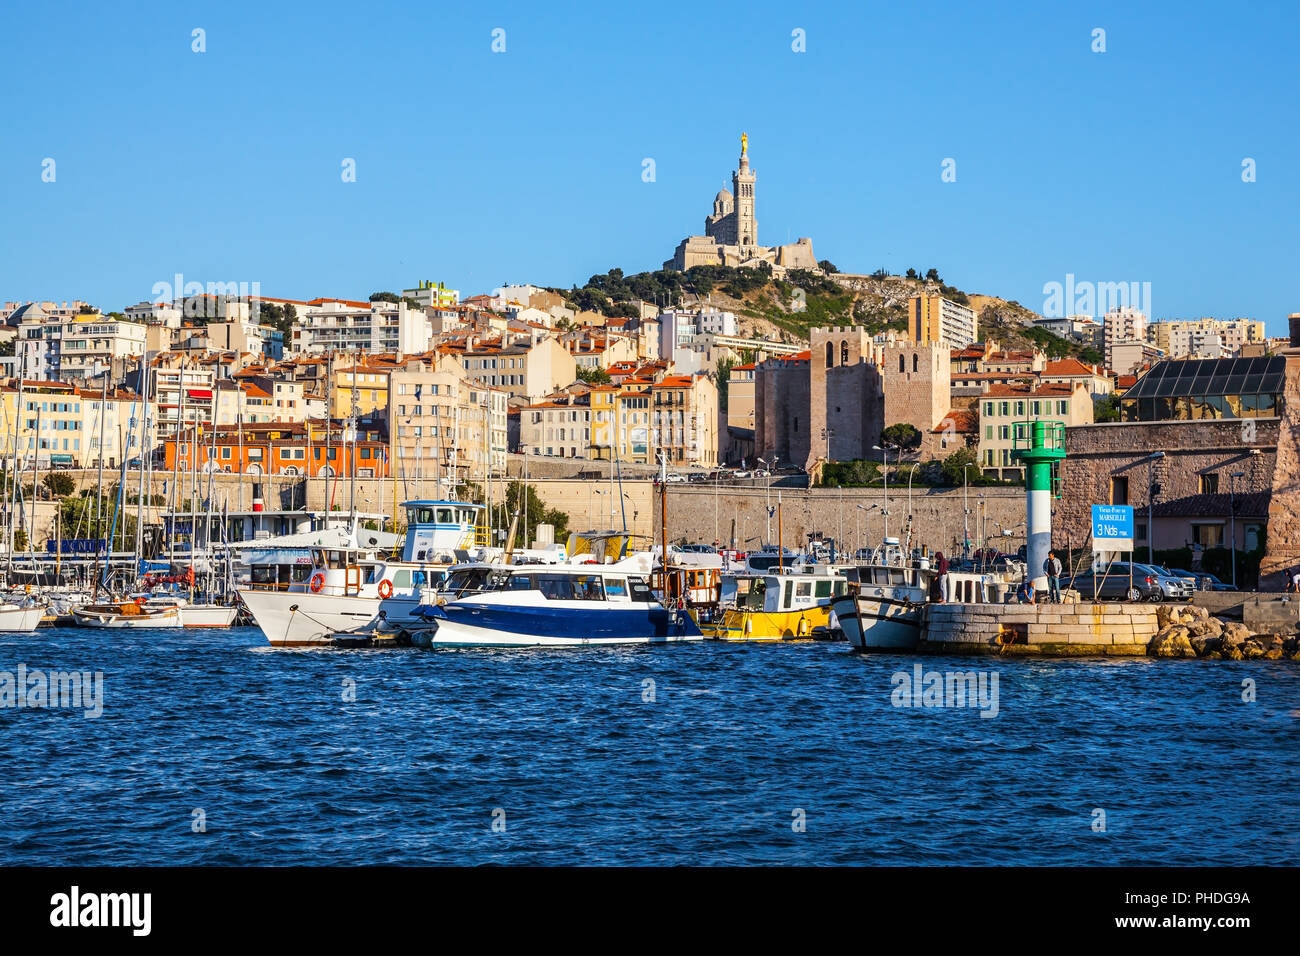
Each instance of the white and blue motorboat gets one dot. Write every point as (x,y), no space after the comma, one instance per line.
(560,605)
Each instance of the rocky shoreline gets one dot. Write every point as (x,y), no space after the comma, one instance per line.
(1194,632)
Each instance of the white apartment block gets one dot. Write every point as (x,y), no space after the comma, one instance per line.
(374,327)
(83,346)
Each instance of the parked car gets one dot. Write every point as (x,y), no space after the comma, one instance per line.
(740,474)
(1113,583)
(696,477)
(762,473)
(1203,580)
(700,548)
(674,477)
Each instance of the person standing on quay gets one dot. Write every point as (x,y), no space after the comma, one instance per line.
(1052,568)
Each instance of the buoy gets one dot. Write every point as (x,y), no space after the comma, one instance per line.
(317,582)
(385,588)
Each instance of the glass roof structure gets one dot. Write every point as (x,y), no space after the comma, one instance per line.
(1207,388)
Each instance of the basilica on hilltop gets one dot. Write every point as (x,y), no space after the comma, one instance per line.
(731,232)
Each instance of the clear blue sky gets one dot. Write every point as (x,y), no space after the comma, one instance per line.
(478,168)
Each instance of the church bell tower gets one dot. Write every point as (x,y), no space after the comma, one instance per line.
(742,183)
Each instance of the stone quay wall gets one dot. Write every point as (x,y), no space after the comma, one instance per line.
(1051,630)
(696,513)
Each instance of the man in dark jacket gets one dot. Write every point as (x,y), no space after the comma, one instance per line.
(1052,568)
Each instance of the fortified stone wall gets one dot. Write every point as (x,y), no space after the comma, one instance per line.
(1097,454)
(1283,541)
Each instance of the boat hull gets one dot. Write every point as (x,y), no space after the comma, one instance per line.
(20,620)
(299,619)
(886,624)
(211,615)
(743,624)
(566,624)
(169,617)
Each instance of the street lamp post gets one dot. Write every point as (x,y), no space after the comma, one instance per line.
(884,456)
(767,502)
(965,508)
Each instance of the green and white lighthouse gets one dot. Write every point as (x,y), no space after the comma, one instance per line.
(1038,445)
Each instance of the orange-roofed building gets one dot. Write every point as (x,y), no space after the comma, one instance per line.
(684,421)
(275,448)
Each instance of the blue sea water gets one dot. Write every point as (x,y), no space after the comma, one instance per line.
(739,745)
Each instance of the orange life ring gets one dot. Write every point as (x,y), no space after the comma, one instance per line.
(317,582)
(385,588)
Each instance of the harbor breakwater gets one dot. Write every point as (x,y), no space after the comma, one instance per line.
(1098,630)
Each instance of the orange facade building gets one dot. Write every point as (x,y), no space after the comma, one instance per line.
(278,448)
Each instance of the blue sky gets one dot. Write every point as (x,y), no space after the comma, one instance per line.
(477,168)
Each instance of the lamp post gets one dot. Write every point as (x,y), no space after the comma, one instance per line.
(910,475)
(1151,459)
(884,456)
(965,508)
(1232,518)
(767,502)
(863,509)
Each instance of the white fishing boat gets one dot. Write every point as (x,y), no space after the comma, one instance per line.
(561,605)
(19,619)
(350,581)
(882,609)
(193,614)
(126,615)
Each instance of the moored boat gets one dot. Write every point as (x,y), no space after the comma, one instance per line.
(882,607)
(19,619)
(560,605)
(126,614)
(783,606)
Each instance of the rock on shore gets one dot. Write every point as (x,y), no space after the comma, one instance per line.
(1193,632)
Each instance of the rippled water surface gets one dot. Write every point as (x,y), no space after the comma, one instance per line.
(737,745)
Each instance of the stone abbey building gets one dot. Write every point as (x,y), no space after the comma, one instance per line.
(731,232)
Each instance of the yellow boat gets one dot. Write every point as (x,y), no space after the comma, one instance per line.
(792,606)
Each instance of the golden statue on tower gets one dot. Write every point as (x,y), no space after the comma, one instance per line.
(744,143)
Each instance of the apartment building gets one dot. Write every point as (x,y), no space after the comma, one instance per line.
(1002,406)
(684,420)
(275,448)
(522,371)
(932,318)
(340,325)
(437,418)
(1204,338)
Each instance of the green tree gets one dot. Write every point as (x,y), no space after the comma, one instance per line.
(532,511)
(392,297)
(60,485)
(1105,409)
(828,267)
(593,376)
(723,371)
(905,436)
(954,465)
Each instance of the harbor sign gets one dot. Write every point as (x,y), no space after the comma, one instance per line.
(1112,527)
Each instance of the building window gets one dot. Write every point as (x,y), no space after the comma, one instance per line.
(1208,535)
(1119,490)
(1210,484)
(844,352)
(915,366)
(830,354)
(902,367)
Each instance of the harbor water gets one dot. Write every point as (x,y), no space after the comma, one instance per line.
(214,749)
